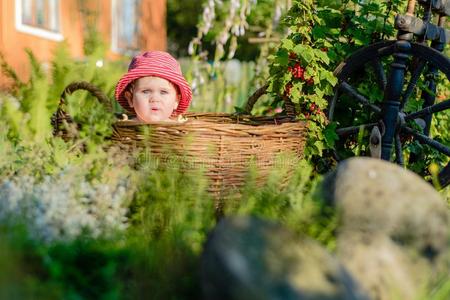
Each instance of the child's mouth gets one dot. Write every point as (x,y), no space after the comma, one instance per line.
(154,109)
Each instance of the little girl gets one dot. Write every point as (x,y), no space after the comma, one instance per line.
(154,88)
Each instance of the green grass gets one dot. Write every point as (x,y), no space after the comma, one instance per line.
(169,212)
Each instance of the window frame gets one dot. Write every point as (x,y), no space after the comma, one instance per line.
(115,32)
(36,31)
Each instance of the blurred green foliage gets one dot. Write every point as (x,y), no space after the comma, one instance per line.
(182,18)
(182,27)
(169,217)
(171,211)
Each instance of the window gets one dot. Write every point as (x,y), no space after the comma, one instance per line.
(125,26)
(39,17)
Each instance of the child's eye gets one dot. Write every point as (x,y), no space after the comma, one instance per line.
(164,92)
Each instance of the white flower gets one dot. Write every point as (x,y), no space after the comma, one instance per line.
(191,47)
(62,207)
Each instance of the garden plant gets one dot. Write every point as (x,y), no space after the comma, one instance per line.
(82,219)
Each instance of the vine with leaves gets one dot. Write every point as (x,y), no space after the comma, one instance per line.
(318,36)
(321,35)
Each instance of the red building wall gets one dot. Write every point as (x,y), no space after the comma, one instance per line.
(13,42)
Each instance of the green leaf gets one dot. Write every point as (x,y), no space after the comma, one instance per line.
(282,57)
(239,110)
(305,52)
(322,56)
(330,134)
(287,44)
(319,93)
(312,126)
(335,31)
(413,105)
(319,32)
(296,92)
(310,72)
(319,147)
(328,76)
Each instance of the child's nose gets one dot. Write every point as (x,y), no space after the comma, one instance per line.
(153,97)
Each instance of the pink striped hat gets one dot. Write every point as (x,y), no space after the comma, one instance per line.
(159,64)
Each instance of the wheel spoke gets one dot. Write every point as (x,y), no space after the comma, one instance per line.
(429,110)
(345,131)
(366,70)
(379,71)
(412,82)
(388,49)
(398,150)
(363,100)
(444,176)
(426,140)
(333,105)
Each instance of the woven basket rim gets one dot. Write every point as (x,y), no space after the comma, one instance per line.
(202,119)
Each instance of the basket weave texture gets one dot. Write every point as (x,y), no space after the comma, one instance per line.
(223,145)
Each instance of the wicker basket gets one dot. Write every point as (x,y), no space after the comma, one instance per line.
(225,145)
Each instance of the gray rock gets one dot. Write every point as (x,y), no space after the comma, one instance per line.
(248,258)
(377,196)
(394,227)
(384,269)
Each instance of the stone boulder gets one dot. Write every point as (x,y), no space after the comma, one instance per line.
(248,258)
(373,195)
(394,227)
(385,269)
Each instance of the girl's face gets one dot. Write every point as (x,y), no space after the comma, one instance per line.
(154,99)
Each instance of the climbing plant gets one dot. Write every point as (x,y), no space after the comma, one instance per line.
(315,36)
(320,36)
